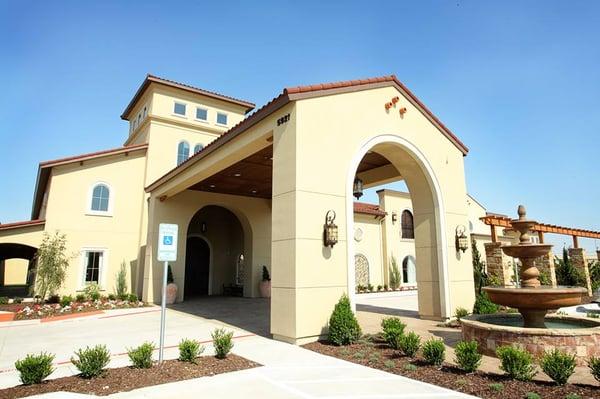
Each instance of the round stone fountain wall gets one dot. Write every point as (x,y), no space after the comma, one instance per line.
(583,341)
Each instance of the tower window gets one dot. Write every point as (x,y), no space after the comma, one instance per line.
(201,114)
(179,109)
(221,118)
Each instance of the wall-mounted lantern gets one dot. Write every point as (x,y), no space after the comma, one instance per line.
(462,242)
(357,189)
(330,233)
(394,217)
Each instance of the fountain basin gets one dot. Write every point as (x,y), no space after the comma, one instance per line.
(527,250)
(576,335)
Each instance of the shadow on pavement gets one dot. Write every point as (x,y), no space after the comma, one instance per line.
(387,311)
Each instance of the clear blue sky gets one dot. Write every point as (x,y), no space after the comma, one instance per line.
(518,82)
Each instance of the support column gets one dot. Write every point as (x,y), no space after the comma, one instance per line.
(577,256)
(497,263)
(598,254)
(545,263)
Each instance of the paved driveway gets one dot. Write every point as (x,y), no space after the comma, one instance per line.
(288,372)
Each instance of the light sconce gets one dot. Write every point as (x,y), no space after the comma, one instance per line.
(330,233)
(357,188)
(394,217)
(462,242)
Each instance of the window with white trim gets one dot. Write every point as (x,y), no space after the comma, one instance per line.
(221,118)
(100,198)
(179,109)
(198,147)
(93,263)
(183,152)
(201,113)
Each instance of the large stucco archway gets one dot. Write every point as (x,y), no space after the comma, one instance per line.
(428,205)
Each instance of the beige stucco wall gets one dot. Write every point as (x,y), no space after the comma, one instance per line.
(116,233)
(253,213)
(15,271)
(370,245)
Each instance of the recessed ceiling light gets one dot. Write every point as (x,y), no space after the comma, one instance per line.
(212,186)
(254,191)
(237,174)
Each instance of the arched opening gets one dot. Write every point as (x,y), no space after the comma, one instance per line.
(17,269)
(380,161)
(215,253)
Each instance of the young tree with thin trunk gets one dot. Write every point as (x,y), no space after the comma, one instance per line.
(52,264)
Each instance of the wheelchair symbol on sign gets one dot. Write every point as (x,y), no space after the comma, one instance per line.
(168,240)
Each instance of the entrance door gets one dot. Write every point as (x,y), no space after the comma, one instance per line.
(197,262)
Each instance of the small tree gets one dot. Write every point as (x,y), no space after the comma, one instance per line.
(343,326)
(394,274)
(52,264)
(566,273)
(479,275)
(121,282)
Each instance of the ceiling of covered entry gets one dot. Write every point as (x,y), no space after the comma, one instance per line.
(253,176)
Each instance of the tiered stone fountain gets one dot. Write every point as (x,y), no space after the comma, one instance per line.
(532,329)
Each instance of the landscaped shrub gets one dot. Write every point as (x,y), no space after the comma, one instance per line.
(121,282)
(393,329)
(34,368)
(516,363)
(92,291)
(496,387)
(394,274)
(222,341)
(459,313)
(52,264)
(434,351)
(343,326)
(3,300)
(594,366)
(467,356)
(17,299)
(91,361)
(132,298)
(53,299)
(112,297)
(66,301)
(141,357)
(409,344)
(189,350)
(80,298)
(483,305)
(572,396)
(558,365)
(532,395)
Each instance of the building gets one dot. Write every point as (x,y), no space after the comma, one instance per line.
(262,188)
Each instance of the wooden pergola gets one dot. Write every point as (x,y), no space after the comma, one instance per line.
(493,221)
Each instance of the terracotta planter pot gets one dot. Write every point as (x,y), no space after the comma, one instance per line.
(171,293)
(265,289)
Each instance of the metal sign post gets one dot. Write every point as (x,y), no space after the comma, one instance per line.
(167,252)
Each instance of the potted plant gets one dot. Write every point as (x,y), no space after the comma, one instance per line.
(265,284)
(171,287)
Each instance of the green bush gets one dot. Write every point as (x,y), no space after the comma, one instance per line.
(434,351)
(467,356)
(409,344)
(222,341)
(496,387)
(572,396)
(112,297)
(343,326)
(189,350)
(594,366)
(394,274)
(91,361)
(17,299)
(459,313)
(92,291)
(558,365)
(54,298)
(121,281)
(80,298)
(3,300)
(34,368)
(516,363)
(483,305)
(132,298)
(66,301)
(393,329)
(141,357)
(532,395)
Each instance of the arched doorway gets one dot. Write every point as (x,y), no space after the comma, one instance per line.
(215,252)
(428,217)
(409,273)
(17,269)
(197,267)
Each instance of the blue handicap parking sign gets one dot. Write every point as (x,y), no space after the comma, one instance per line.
(168,240)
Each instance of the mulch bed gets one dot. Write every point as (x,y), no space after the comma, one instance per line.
(127,378)
(376,354)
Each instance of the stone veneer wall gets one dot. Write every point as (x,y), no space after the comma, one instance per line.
(497,263)
(546,264)
(577,256)
(582,345)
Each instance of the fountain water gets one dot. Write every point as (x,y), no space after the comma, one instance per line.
(532,299)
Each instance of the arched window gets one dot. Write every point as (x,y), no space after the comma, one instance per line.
(409,275)
(408,229)
(183,152)
(198,148)
(100,198)
(361,270)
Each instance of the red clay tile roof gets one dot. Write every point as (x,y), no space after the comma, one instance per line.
(151,78)
(91,155)
(26,223)
(295,93)
(368,209)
